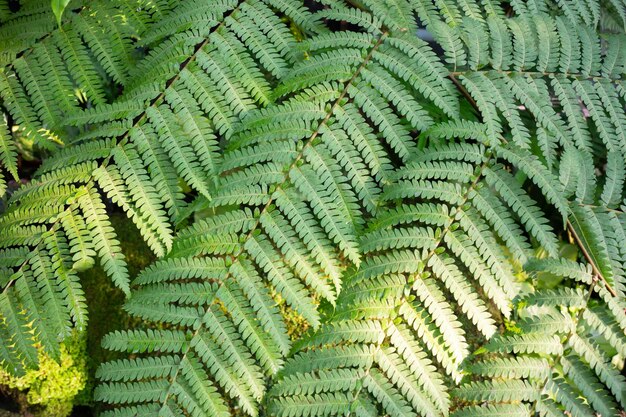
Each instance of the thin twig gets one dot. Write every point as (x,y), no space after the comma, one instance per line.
(597,273)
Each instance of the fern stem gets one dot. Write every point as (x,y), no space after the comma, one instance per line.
(577,76)
(589,259)
(465,93)
(608,209)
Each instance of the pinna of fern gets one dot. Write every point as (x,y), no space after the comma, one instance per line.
(58,224)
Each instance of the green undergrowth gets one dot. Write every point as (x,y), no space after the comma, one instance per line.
(55,388)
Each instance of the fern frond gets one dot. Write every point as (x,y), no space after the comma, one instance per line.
(129,163)
(299,241)
(423,263)
(390,191)
(8,154)
(579,377)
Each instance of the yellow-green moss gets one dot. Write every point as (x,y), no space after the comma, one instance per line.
(54,388)
(296,324)
(51,390)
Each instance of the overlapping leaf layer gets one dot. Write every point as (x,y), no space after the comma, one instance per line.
(408,177)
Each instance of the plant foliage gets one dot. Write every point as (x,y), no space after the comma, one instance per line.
(411,201)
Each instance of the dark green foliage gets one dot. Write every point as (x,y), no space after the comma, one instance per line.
(409,203)
(61,214)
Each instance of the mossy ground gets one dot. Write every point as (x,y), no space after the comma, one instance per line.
(52,389)
(55,389)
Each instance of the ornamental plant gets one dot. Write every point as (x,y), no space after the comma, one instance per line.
(357,208)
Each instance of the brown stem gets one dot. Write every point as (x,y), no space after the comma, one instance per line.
(597,273)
